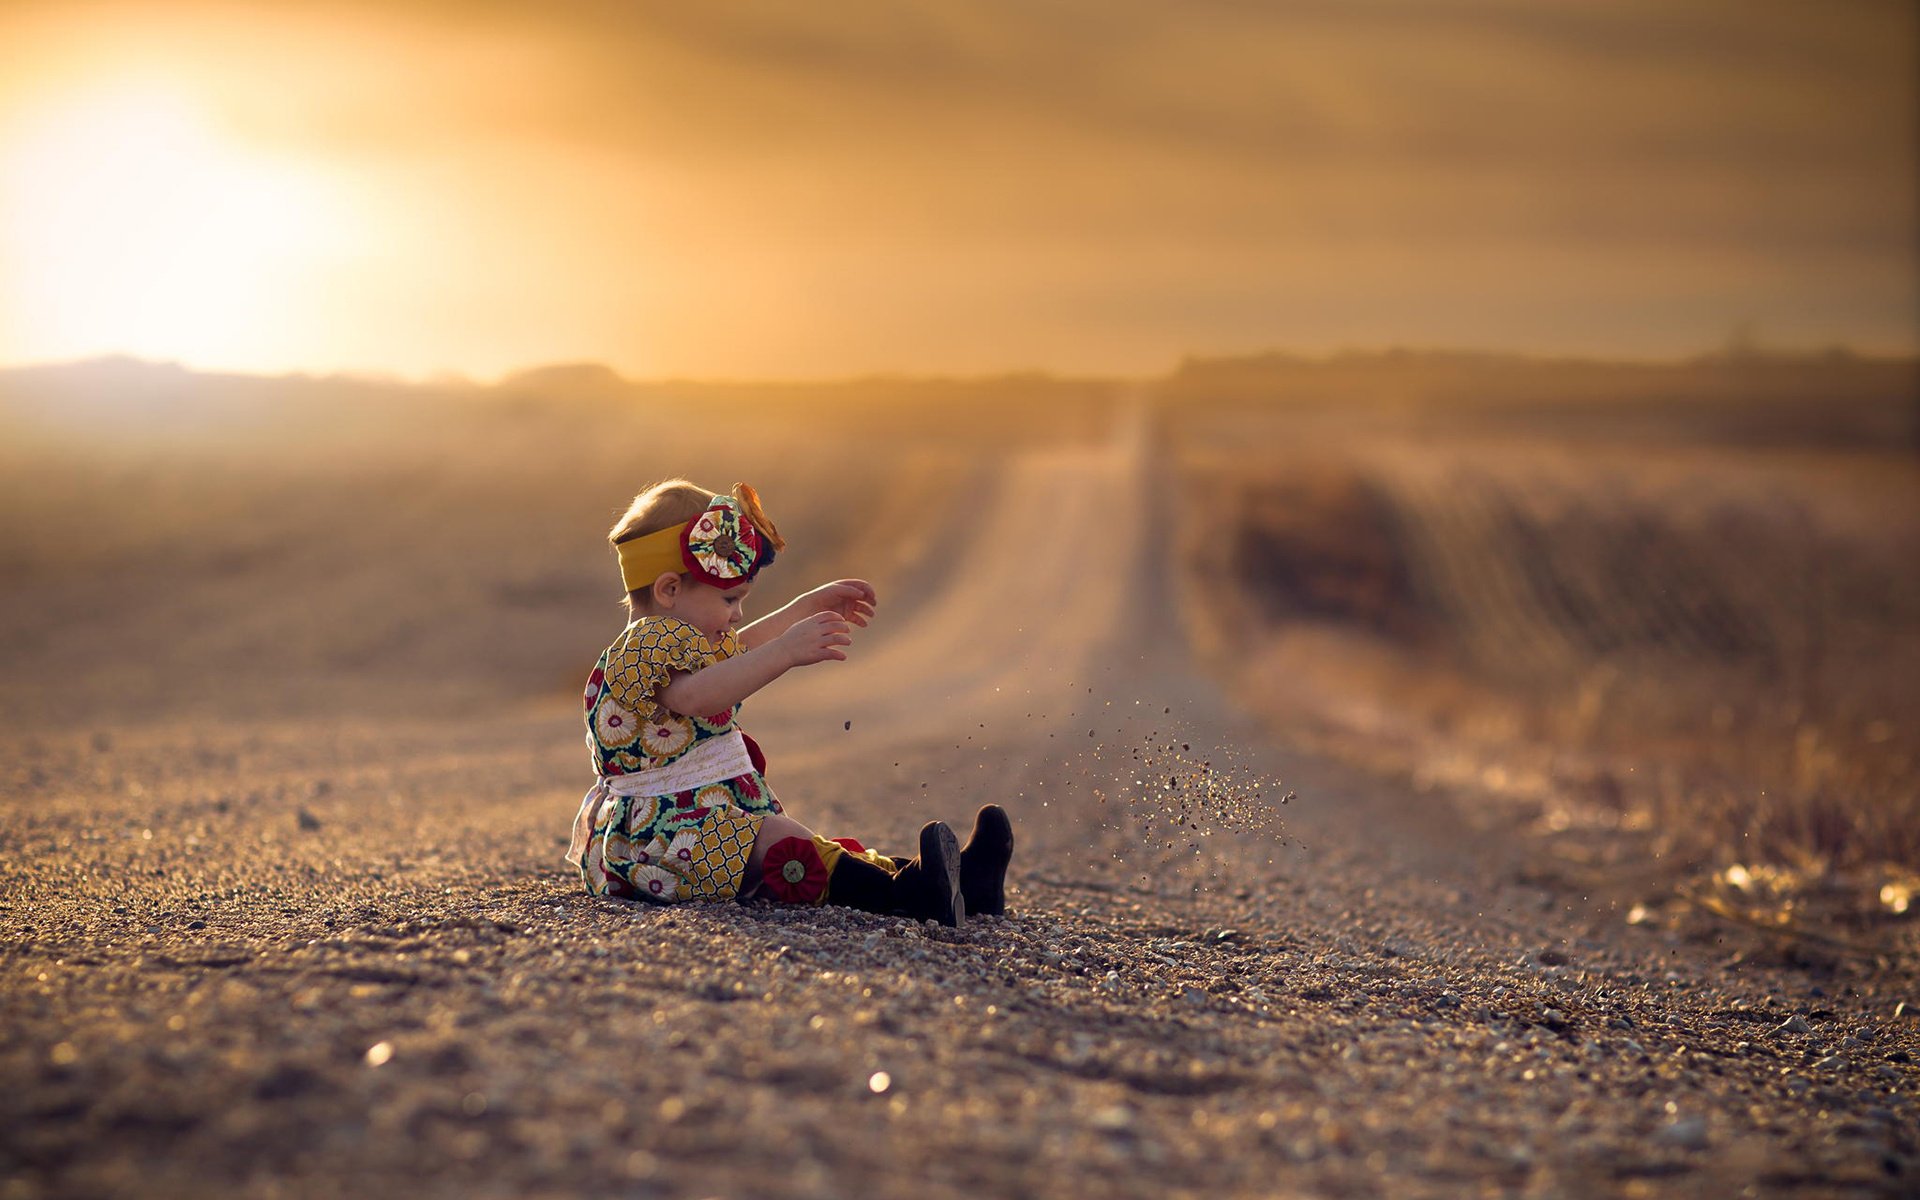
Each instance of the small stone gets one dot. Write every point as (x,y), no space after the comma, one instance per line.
(1686,1133)
(1113,1118)
(307,820)
(1832,1062)
(1794,1024)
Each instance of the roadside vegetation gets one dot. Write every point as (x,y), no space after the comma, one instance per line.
(1667,616)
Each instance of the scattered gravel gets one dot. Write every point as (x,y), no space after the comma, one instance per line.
(221,995)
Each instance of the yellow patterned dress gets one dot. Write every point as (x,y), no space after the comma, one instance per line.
(677,801)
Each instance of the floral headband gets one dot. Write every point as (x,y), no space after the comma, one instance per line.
(723,547)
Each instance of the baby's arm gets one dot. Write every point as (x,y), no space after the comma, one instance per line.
(851,600)
(726,683)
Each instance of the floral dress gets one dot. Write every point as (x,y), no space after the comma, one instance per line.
(690,839)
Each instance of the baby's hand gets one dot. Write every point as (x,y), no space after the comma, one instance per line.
(816,639)
(849,599)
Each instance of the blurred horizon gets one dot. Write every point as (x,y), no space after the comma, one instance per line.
(580,375)
(746,191)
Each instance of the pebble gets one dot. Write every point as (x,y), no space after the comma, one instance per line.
(1414,1073)
(1686,1133)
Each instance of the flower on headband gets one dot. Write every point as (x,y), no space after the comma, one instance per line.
(719,547)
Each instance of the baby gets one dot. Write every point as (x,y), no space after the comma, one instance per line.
(680,808)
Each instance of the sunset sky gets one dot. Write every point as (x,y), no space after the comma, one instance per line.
(778,189)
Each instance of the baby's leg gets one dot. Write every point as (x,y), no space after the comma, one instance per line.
(776,827)
(983,862)
(813,870)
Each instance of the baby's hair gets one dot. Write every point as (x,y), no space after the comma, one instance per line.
(664,505)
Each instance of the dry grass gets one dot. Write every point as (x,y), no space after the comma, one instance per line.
(1706,629)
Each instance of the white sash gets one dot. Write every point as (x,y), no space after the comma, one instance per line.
(711,761)
(716,759)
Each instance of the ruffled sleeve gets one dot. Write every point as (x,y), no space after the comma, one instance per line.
(652,649)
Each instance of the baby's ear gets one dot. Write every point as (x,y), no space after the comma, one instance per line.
(665,589)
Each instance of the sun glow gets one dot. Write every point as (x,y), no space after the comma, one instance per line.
(131,225)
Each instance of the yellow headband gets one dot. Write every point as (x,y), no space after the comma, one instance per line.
(724,546)
(645,559)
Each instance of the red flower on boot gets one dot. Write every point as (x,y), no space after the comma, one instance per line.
(793,871)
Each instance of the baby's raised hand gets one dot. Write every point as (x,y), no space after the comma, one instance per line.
(850,599)
(816,639)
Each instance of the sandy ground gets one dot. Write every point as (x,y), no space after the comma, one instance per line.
(315,958)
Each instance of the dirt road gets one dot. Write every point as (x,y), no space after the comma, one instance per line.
(318,958)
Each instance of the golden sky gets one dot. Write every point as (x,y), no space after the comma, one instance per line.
(775,189)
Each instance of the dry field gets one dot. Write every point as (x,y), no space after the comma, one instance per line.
(1668,615)
(241,548)
(1322,724)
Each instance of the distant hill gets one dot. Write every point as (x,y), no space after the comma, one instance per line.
(1831,398)
(583,378)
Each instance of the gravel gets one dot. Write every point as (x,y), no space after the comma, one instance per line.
(404,989)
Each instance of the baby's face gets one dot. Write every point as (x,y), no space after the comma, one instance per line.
(710,610)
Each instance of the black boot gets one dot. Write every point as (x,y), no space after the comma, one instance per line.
(856,883)
(929,886)
(983,863)
(923,887)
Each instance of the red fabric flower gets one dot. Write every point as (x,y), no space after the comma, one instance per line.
(720,547)
(754,753)
(793,871)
